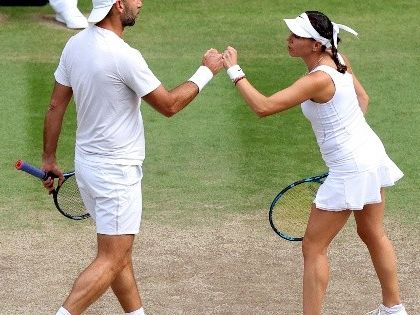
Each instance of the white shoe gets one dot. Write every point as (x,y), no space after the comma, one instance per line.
(381,311)
(73,18)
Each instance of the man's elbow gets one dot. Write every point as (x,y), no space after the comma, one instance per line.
(172,108)
(165,111)
(165,107)
(169,114)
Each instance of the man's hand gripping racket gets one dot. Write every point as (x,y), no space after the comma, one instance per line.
(66,195)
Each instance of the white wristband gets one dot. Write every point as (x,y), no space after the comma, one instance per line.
(235,72)
(201,77)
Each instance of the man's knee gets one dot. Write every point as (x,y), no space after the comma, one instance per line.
(115,250)
(114,264)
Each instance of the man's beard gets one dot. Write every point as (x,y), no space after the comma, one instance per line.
(128,20)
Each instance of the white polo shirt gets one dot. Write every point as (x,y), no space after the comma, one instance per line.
(108,79)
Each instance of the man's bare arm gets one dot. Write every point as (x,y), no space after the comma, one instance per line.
(60,99)
(170,102)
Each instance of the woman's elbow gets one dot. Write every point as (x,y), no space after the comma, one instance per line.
(363,96)
(367,100)
(261,109)
(262,114)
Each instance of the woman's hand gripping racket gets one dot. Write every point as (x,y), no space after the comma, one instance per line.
(66,196)
(289,211)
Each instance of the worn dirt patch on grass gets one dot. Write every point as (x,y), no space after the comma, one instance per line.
(3,18)
(230,265)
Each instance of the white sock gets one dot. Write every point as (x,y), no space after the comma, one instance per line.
(62,311)
(138,312)
(394,309)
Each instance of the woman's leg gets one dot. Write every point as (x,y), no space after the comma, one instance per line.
(371,230)
(322,227)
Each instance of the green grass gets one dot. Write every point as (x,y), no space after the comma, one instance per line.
(216,156)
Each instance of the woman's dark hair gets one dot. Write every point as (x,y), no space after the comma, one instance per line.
(322,24)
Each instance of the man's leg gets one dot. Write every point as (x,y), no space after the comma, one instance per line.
(125,289)
(114,255)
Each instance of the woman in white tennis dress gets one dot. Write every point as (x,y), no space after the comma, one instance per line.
(335,102)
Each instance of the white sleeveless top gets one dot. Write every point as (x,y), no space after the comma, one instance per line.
(353,153)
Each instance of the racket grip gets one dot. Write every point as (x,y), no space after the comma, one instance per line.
(34,171)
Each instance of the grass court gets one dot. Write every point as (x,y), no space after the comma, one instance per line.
(211,171)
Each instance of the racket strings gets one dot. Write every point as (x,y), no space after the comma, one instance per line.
(290,214)
(69,199)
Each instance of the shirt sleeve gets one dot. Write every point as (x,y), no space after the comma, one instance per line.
(61,74)
(136,74)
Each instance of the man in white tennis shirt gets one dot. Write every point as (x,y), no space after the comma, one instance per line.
(107,79)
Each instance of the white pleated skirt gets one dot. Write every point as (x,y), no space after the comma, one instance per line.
(352,191)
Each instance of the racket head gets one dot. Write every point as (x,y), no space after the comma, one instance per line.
(67,199)
(289,211)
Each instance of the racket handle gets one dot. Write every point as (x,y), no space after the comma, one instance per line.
(34,171)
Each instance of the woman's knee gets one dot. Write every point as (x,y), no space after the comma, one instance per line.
(313,248)
(370,235)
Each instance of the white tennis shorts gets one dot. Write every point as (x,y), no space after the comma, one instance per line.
(112,195)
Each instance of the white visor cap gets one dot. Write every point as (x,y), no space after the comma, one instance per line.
(301,26)
(100,10)
(297,27)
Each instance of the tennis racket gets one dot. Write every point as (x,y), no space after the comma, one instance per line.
(289,211)
(66,196)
